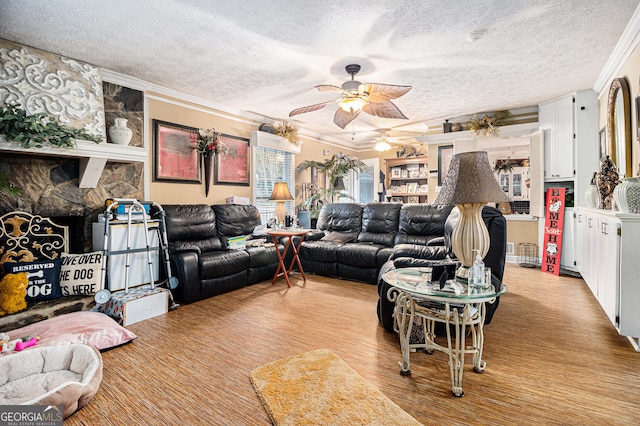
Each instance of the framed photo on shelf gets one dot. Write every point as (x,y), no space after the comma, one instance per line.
(404,173)
(445,153)
(402,189)
(396,172)
(412,187)
(602,138)
(424,188)
(175,154)
(413,199)
(232,168)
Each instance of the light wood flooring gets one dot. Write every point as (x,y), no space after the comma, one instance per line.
(552,357)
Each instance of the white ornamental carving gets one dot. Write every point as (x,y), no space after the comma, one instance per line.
(69,90)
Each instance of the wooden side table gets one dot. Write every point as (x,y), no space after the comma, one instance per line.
(282,270)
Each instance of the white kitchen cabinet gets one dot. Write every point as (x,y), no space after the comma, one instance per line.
(513,183)
(570,128)
(556,120)
(607,261)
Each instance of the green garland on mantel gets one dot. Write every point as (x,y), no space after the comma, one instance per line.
(36,130)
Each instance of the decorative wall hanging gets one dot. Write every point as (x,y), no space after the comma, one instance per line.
(232,167)
(39,81)
(176,157)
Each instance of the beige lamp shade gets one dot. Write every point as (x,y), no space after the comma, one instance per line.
(280,194)
(469,185)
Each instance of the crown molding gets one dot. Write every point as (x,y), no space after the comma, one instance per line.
(208,106)
(621,53)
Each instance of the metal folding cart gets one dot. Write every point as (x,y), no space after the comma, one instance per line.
(136,213)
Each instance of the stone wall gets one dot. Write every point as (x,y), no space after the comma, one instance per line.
(50,184)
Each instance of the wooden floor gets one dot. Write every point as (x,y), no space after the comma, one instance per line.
(552,358)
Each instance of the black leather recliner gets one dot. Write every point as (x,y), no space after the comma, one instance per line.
(200,259)
(438,252)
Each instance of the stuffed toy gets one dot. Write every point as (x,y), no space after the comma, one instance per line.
(13,289)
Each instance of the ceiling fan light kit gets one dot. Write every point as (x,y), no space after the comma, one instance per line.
(372,98)
(382,146)
(352,105)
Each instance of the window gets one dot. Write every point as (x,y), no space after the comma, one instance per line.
(271,166)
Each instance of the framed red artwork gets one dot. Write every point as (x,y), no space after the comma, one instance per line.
(232,166)
(176,157)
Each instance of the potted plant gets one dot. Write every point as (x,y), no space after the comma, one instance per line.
(335,169)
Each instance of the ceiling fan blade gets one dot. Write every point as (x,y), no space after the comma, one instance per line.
(384,92)
(342,118)
(311,108)
(330,88)
(386,109)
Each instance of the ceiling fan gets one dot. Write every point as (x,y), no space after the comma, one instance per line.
(372,98)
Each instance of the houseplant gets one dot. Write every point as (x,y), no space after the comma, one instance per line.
(37,130)
(335,170)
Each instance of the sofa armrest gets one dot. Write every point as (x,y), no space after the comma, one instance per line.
(314,235)
(187,270)
(419,251)
(182,247)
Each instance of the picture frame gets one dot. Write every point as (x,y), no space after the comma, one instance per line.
(638,118)
(404,173)
(395,172)
(413,199)
(412,187)
(445,153)
(233,168)
(602,138)
(175,158)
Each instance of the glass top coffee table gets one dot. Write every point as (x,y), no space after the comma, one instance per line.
(459,307)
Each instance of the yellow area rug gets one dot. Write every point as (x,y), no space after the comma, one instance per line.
(318,388)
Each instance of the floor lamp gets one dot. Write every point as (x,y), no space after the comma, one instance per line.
(280,194)
(469,185)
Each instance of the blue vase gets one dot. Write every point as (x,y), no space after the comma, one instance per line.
(304,216)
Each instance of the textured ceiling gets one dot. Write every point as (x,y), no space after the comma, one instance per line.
(266,57)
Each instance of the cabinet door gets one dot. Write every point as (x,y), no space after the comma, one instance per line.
(608,268)
(591,254)
(556,118)
(505,180)
(568,256)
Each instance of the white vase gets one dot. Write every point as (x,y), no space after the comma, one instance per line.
(591,196)
(627,195)
(119,133)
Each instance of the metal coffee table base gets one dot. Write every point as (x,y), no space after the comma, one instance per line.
(458,320)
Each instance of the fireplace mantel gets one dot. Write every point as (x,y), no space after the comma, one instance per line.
(93,156)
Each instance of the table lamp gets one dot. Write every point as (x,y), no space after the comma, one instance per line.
(280,194)
(469,185)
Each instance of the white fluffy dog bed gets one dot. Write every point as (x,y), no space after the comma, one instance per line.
(69,375)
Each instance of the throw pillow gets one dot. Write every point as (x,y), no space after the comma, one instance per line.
(340,237)
(91,328)
(81,274)
(43,278)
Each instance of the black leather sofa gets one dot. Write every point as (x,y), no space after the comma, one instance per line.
(354,241)
(200,259)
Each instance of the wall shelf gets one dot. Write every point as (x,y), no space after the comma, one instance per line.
(92,156)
